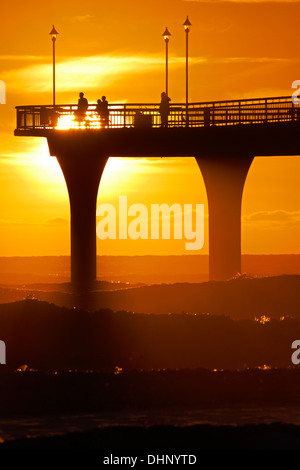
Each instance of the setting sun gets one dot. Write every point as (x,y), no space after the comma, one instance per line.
(132,70)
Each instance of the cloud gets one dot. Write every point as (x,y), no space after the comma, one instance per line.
(83,18)
(22,58)
(77,72)
(88,72)
(250,60)
(57,221)
(279,217)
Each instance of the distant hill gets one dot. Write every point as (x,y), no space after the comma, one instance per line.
(239,298)
(46,337)
(135,269)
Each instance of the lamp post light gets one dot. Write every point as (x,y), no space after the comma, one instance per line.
(53,34)
(166,36)
(187,25)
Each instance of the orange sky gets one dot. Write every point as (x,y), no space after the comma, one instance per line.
(237,49)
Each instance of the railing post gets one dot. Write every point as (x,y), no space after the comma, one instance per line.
(266,109)
(124,115)
(206,116)
(293,112)
(19,121)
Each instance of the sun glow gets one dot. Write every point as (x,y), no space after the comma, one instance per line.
(88,71)
(69,121)
(91,120)
(36,164)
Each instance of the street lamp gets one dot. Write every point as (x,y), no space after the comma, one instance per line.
(53,34)
(187,25)
(166,36)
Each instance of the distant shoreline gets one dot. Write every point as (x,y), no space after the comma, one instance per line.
(149,411)
(163,440)
(148,269)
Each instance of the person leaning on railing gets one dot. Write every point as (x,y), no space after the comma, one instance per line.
(81,108)
(164,109)
(102,110)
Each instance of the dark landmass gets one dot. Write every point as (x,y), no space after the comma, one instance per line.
(27,398)
(240,298)
(47,337)
(226,345)
(162,440)
(64,362)
(173,392)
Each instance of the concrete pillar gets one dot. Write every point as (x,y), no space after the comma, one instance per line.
(82,169)
(224,177)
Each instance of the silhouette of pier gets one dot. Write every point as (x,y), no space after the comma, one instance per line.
(223,136)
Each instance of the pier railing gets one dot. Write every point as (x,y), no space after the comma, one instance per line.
(124,115)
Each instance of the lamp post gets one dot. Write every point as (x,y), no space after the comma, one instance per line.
(53,34)
(187,25)
(166,36)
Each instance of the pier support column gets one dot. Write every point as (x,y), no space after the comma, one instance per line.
(224,177)
(82,169)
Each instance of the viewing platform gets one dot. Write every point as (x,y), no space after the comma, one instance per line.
(223,136)
(37,120)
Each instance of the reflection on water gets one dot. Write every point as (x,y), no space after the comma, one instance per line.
(16,428)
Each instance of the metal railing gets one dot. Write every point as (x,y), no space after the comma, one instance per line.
(218,113)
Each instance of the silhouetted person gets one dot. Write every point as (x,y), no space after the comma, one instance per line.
(102,110)
(99,108)
(164,109)
(82,107)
